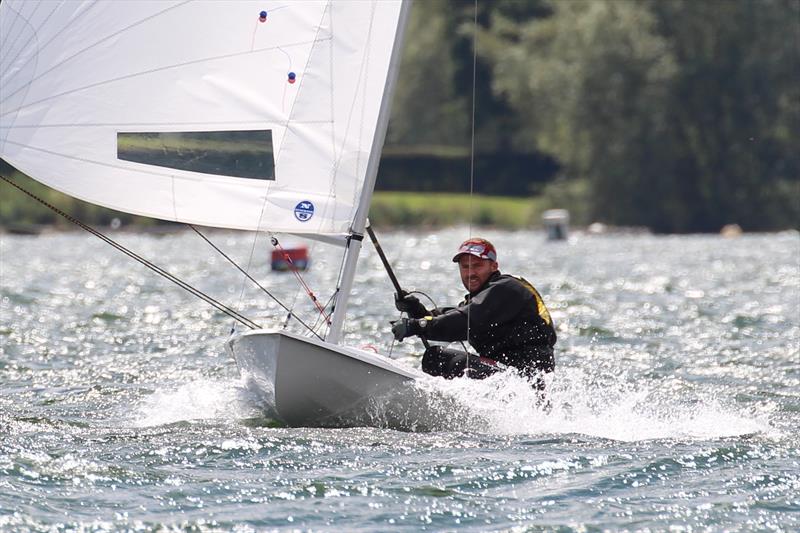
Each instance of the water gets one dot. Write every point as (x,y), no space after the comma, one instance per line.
(676,403)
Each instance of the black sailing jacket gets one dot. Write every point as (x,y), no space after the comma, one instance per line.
(508,322)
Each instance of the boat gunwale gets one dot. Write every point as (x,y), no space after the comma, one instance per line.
(374,359)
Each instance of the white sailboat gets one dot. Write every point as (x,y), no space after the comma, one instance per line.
(259,115)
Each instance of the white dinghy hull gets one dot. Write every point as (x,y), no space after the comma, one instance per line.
(306,382)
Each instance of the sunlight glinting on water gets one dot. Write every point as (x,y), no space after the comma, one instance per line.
(674,404)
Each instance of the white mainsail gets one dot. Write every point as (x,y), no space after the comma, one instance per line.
(264,115)
(255,115)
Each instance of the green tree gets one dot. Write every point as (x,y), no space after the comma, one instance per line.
(680,114)
(496,122)
(433,100)
(427,108)
(589,80)
(735,110)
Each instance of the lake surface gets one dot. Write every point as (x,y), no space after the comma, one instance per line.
(675,406)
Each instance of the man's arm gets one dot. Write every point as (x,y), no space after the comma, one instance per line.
(448,326)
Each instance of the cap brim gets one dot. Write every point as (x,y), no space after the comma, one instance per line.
(459,254)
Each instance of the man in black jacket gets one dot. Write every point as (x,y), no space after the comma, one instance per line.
(503,317)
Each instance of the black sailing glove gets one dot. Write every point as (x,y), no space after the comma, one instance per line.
(406,327)
(406,303)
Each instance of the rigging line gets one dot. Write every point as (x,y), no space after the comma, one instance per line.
(251,278)
(335,296)
(314,326)
(300,279)
(330,300)
(472,122)
(317,320)
(472,138)
(292,306)
(155,268)
(247,268)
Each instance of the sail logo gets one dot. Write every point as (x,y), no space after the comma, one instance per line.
(304,211)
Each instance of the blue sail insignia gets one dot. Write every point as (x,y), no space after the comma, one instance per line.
(304,211)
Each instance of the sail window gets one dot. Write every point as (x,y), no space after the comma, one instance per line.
(239,154)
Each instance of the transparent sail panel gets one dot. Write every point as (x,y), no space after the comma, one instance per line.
(239,154)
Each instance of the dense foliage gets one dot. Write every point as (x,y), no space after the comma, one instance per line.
(680,115)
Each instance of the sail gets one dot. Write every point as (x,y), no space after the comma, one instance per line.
(256,115)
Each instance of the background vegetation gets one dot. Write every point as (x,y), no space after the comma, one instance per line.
(19,213)
(677,115)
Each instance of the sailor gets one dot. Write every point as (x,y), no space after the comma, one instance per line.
(503,317)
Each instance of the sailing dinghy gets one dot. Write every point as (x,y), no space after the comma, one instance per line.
(266,116)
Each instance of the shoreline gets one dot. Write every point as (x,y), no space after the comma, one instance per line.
(34,230)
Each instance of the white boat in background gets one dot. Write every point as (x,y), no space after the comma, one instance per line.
(266,116)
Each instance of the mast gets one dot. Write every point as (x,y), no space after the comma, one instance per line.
(359,222)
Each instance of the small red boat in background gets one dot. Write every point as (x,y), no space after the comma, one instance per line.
(298,256)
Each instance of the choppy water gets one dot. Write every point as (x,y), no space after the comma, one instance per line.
(676,403)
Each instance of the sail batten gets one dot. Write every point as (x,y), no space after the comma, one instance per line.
(88,88)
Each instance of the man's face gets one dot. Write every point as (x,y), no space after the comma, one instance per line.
(475,271)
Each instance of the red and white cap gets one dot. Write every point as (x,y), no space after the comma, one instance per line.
(477,247)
